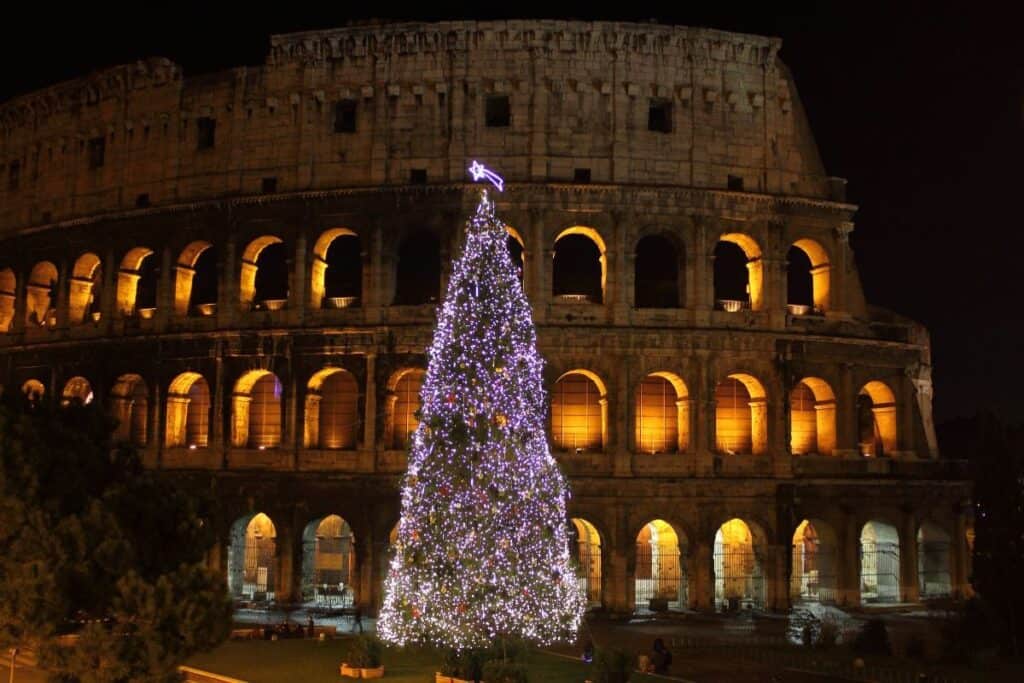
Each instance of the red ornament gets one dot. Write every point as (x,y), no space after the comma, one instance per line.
(450,398)
(444,490)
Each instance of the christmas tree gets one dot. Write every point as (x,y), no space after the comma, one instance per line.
(482,547)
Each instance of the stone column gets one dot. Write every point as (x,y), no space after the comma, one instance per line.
(164,290)
(109,292)
(617,588)
(297,286)
(218,437)
(227,287)
(375,280)
(285,548)
(846,415)
(778,576)
(910,590)
(702,584)
(621,269)
(370,404)
(60,297)
(848,563)
(539,261)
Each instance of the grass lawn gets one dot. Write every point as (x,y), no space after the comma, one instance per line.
(310,661)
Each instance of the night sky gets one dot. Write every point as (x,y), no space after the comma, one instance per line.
(919,107)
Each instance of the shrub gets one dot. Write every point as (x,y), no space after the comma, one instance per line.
(611,665)
(828,634)
(364,653)
(498,671)
(873,639)
(464,664)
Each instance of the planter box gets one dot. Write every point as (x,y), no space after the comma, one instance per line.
(355,672)
(441,678)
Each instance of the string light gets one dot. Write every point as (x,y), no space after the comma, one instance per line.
(482,544)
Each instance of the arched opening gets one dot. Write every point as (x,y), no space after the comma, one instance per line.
(34,390)
(578,274)
(585,552)
(812,417)
(406,406)
(578,406)
(252,558)
(516,250)
(256,408)
(332,410)
(741,415)
(658,279)
(39,295)
(813,575)
(130,406)
(328,563)
(418,270)
(77,391)
(8,289)
(264,277)
(136,283)
(876,419)
(188,411)
(195,280)
(808,278)
(738,273)
(660,574)
(337,270)
(662,414)
(739,577)
(879,563)
(84,288)
(933,561)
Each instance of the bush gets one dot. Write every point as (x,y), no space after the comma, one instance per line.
(873,639)
(364,653)
(828,634)
(464,664)
(611,665)
(498,671)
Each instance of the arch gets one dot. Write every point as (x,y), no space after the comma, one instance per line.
(579,412)
(658,273)
(8,292)
(130,405)
(332,410)
(418,269)
(249,293)
(328,563)
(34,390)
(815,275)
(516,250)
(580,266)
(934,561)
(814,562)
(256,411)
(188,411)
(85,284)
(404,404)
(585,552)
(812,417)
(738,275)
(662,414)
(876,419)
(660,571)
(879,563)
(741,415)
(252,558)
(192,278)
(39,295)
(336,277)
(738,571)
(136,282)
(77,391)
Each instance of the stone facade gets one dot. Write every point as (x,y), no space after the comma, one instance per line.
(735,162)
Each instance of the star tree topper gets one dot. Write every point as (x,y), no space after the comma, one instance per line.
(481,172)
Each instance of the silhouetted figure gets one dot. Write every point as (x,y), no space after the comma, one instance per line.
(661,658)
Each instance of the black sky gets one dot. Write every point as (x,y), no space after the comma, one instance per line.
(918,105)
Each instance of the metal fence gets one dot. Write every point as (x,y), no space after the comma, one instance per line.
(739,580)
(659,577)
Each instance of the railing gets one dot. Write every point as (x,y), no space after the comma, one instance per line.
(336,302)
(574,299)
(731,305)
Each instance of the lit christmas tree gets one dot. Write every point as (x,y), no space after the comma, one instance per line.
(482,547)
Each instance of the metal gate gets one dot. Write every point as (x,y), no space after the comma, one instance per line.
(739,580)
(879,572)
(660,575)
(587,559)
(933,573)
(813,575)
(258,579)
(332,580)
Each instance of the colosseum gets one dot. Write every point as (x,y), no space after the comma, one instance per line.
(245,267)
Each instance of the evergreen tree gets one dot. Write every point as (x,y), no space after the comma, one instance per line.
(482,548)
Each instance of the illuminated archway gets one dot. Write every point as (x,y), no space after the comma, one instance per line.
(195,280)
(252,558)
(8,289)
(86,279)
(658,273)
(879,563)
(77,391)
(660,571)
(662,414)
(808,277)
(934,561)
(418,270)
(741,415)
(188,411)
(579,412)
(328,563)
(130,406)
(332,410)
(812,417)
(136,282)
(256,410)
(516,250)
(813,575)
(734,288)
(739,576)
(256,287)
(585,552)
(579,270)
(337,270)
(876,419)
(39,295)
(404,403)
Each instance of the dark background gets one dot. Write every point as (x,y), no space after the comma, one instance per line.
(918,105)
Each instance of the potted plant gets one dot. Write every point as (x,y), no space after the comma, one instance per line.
(363,659)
